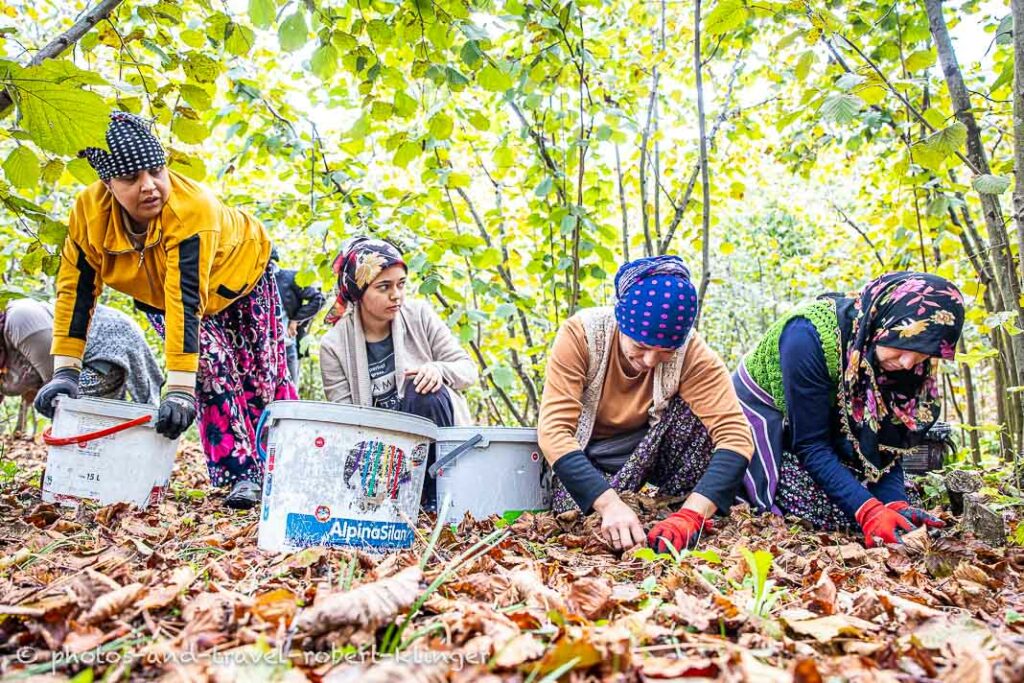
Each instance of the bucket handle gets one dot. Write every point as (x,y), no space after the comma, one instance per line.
(51,440)
(260,424)
(454,453)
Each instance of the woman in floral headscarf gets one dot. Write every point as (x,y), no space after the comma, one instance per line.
(386,351)
(838,391)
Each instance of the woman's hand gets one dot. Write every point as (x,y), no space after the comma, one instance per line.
(620,526)
(428,378)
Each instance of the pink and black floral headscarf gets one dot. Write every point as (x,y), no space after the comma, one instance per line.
(357,266)
(886,412)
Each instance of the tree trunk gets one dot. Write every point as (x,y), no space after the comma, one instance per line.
(999,241)
(972,408)
(1017,8)
(705,274)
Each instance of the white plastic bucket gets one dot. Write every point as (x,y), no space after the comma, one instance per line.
(342,476)
(500,472)
(131,466)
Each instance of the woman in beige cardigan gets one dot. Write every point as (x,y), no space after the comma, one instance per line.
(388,352)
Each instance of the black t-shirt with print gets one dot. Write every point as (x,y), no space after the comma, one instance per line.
(380,357)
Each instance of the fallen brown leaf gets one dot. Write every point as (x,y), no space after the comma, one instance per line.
(368,605)
(111,604)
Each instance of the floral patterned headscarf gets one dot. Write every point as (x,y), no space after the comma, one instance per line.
(357,266)
(884,412)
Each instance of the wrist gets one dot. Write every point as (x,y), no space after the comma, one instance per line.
(865,510)
(606,500)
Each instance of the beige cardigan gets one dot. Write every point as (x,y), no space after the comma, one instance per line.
(419,336)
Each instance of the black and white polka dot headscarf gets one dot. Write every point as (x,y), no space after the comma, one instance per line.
(133,148)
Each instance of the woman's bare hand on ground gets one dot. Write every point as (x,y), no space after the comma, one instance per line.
(620,526)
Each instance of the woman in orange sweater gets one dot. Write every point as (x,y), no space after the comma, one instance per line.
(632,396)
(198,268)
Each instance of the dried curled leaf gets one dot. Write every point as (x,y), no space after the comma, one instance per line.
(180,580)
(592,595)
(533,591)
(368,605)
(522,648)
(111,604)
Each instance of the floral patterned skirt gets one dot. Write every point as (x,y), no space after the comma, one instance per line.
(672,456)
(242,368)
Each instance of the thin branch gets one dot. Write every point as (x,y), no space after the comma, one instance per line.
(860,231)
(705,276)
(58,45)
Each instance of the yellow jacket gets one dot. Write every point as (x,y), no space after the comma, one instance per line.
(199,256)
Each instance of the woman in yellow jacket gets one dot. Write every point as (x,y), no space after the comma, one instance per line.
(198,269)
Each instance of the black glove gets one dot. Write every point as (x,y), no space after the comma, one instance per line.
(64,383)
(177,411)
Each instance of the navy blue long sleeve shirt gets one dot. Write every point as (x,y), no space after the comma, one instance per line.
(813,433)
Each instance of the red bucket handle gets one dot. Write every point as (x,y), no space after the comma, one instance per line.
(92,436)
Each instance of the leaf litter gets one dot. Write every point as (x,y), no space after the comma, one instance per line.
(181,592)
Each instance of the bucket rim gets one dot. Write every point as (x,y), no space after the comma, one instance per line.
(106,407)
(353,415)
(491,434)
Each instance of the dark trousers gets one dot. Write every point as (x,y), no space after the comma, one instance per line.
(436,407)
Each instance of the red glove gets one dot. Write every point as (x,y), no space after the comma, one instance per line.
(915,516)
(878,521)
(680,530)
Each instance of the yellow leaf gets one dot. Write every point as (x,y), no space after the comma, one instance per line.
(727,248)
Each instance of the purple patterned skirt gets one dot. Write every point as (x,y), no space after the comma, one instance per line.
(672,456)
(242,368)
(775,481)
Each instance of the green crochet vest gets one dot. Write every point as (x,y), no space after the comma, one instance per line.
(763,362)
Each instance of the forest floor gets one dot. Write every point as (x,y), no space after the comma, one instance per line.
(181,592)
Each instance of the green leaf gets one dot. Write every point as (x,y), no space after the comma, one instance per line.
(200,68)
(305,277)
(324,61)
(52,171)
(493,79)
(488,258)
(479,121)
(405,106)
(725,16)
(52,233)
(505,310)
(238,39)
(503,376)
(543,189)
(381,111)
(440,126)
(22,168)
(949,140)
(804,64)
(196,96)
(1004,34)
(261,12)
(82,171)
(920,60)
(841,108)
(405,153)
(189,130)
(293,31)
(471,54)
(990,184)
(59,117)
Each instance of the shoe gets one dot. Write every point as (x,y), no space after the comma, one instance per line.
(244,495)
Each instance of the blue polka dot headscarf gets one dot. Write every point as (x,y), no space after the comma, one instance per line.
(657,302)
(133,148)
